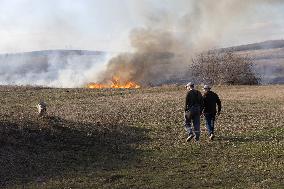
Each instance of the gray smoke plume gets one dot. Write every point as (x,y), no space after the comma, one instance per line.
(163,48)
(57,68)
(157,53)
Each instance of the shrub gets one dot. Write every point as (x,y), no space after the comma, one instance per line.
(223,68)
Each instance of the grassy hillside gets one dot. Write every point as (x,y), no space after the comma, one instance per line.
(268,57)
(269,63)
(136,139)
(271,44)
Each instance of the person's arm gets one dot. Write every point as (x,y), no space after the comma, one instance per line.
(186,102)
(219,104)
(201,100)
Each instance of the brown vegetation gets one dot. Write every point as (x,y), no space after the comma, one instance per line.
(223,68)
(114,138)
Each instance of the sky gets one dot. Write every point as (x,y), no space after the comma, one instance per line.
(30,25)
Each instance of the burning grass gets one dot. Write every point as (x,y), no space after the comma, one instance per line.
(115,83)
(119,138)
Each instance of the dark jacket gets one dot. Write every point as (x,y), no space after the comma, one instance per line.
(210,100)
(193,99)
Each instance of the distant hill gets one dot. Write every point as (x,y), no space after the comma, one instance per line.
(54,52)
(272,44)
(59,67)
(268,57)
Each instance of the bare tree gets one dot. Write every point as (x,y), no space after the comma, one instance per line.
(223,68)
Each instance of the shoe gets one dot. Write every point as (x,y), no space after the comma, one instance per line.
(196,139)
(190,136)
(212,136)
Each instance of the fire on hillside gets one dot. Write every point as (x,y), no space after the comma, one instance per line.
(115,83)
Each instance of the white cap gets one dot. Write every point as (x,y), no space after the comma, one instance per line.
(206,87)
(190,84)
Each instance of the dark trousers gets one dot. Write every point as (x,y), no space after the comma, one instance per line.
(210,122)
(195,119)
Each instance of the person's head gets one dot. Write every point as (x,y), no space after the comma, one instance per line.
(41,101)
(207,88)
(189,86)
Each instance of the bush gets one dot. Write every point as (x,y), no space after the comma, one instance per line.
(223,68)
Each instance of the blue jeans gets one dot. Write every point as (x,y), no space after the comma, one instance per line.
(195,119)
(210,122)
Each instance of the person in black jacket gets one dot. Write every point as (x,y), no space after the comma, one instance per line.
(193,109)
(210,100)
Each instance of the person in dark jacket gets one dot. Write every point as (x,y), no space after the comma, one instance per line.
(193,109)
(210,100)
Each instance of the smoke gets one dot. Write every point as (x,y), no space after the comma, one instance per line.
(157,53)
(51,68)
(164,47)
(171,34)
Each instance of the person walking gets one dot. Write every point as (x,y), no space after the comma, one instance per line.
(210,100)
(192,112)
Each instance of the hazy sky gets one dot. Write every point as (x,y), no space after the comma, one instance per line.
(27,25)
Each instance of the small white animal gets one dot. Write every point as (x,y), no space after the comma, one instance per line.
(41,107)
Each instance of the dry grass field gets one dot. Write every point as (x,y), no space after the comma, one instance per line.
(135,139)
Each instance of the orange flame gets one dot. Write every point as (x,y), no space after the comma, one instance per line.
(115,83)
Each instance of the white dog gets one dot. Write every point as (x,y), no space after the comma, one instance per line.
(41,107)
